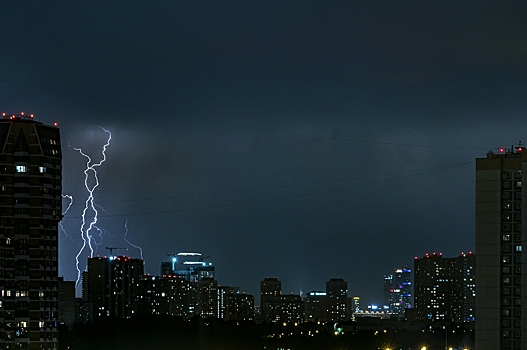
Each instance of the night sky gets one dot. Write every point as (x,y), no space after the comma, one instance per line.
(303,140)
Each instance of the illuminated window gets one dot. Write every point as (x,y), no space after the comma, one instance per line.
(42,169)
(518,248)
(21,169)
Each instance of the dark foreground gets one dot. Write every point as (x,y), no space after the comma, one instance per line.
(164,332)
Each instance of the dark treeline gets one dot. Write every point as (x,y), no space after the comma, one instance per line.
(165,332)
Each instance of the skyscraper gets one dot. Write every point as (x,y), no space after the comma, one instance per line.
(112,284)
(270,291)
(398,291)
(445,288)
(337,300)
(500,322)
(31,208)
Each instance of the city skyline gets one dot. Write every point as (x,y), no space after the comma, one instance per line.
(304,140)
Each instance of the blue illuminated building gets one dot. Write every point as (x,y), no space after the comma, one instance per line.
(398,291)
(189,266)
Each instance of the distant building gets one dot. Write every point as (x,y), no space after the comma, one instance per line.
(238,307)
(83,311)
(188,265)
(445,288)
(207,295)
(337,300)
(398,291)
(66,302)
(278,308)
(287,309)
(111,285)
(270,290)
(30,211)
(223,292)
(316,307)
(356,303)
(162,296)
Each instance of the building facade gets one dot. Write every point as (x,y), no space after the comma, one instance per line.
(30,208)
(445,288)
(500,321)
(398,291)
(66,299)
(337,300)
(111,284)
(270,290)
(316,307)
(238,307)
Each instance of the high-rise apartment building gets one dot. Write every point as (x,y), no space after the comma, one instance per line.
(445,288)
(30,208)
(188,265)
(500,321)
(66,299)
(316,307)
(111,284)
(337,300)
(398,291)
(238,307)
(270,290)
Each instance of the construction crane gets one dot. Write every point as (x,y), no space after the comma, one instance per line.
(116,248)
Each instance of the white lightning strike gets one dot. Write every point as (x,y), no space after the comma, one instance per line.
(127,241)
(85,233)
(64,213)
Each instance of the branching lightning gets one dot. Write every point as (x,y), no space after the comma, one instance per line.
(127,241)
(64,213)
(89,205)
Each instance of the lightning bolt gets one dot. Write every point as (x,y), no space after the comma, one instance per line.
(127,241)
(89,205)
(64,213)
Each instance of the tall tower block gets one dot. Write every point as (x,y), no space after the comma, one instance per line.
(30,208)
(500,317)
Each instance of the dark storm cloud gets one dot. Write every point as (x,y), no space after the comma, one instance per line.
(303,140)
